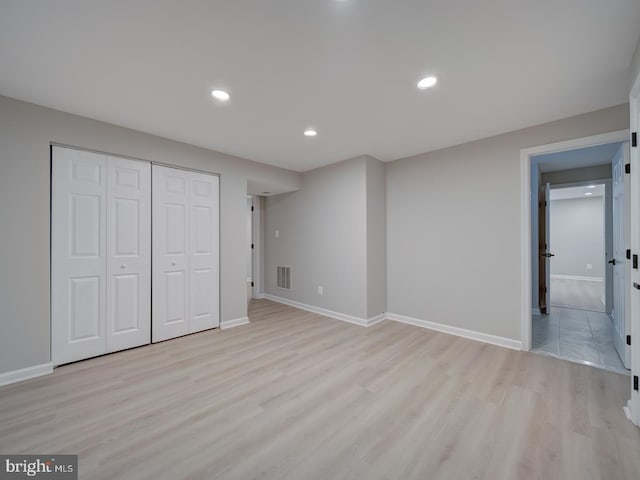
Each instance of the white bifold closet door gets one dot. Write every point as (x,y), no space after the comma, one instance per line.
(185,252)
(100,254)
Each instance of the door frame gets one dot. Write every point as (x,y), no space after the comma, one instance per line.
(256,238)
(632,409)
(525,214)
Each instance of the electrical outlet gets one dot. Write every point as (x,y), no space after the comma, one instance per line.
(589,266)
(320,290)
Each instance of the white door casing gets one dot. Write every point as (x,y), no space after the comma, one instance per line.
(100,221)
(185,295)
(547,241)
(620,267)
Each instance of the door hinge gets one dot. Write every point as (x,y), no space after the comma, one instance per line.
(252,246)
(252,284)
(252,208)
(628,339)
(545,203)
(635,383)
(545,289)
(628,254)
(634,139)
(635,261)
(627,168)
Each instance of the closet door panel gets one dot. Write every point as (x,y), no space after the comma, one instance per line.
(128,316)
(204,252)
(170,253)
(78,254)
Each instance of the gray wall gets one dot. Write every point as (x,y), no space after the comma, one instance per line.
(577,237)
(598,172)
(323,229)
(376,211)
(454,226)
(635,64)
(26,131)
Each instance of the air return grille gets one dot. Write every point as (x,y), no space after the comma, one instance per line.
(284,278)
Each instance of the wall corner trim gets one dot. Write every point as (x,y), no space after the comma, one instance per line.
(363,322)
(236,322)
(27,373)
(457,331)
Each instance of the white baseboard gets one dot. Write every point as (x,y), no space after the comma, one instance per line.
(377,319)
(460,332)
(25,373)
(363,322)
(582,279)
(236,322)
(260,296)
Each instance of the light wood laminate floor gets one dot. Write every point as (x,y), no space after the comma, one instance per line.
(298,396)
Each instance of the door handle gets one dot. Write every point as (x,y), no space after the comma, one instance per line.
(636,286)
(548,255)
(612,261)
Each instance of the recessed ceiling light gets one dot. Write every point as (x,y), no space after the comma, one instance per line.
(587,194)
(310,132)
(220,95)
(591,186)
(427,82)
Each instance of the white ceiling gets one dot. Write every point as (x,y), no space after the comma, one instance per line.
(577,192)
(577,158)
(346,67)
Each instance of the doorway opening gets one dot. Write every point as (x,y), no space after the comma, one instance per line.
(577,237)
(579,274)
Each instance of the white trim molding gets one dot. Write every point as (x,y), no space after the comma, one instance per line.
(236,322)
(363,322)
(25,373)
(581,279)
(457,331)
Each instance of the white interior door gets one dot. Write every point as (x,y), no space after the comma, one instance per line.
(204,252)
(620,267)
(78,255)
(100,254)
(128,320)
(185,252)
(170,258)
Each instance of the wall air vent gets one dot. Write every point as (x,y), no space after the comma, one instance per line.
(284,278)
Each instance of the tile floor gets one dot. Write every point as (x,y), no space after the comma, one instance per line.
(578,336)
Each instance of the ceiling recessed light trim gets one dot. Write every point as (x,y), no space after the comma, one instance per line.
(587,194)
(310,132)
(591,186)
(427,82)
(221,95)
